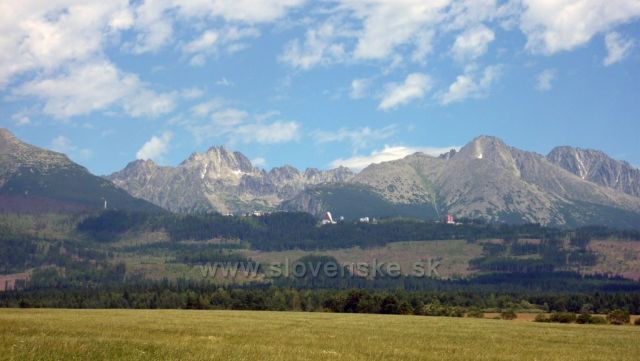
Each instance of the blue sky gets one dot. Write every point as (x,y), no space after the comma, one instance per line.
(318,83)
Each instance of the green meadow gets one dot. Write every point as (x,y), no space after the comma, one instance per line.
(46,334)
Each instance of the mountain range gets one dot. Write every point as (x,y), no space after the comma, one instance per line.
(484,179)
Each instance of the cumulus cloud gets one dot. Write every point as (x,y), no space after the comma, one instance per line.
(273,133)
(415,86)
(359,88)
(470,85)
(553,26)
(545,79)
(64,145)
(20,119)
(203,42)
(96,86)
(318,48)
(210,41)
(214,120)
(384,29)
(618,48)
(155,20)
(40,35)
(388,153)
(229,116)
(156,147)
(359,138)
(55,44)
(259,162)
(389,24)
(206,108)
(472,43)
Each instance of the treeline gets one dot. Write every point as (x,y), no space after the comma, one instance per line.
(22,252)
(289,230)
(189,295)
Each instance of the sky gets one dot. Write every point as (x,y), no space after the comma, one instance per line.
(318,83)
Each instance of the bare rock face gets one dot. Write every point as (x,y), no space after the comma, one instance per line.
(489,179)
(219,180)
(597,167)
(484,179)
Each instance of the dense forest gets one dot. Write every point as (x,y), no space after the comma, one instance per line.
(189,295)
(288,230)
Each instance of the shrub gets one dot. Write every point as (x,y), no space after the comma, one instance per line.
(405,308)
(618,317)
(475,313)
(584,318)
(597,320)
(508,315)
(456,312)
(562,317)
(637,321)
(434,309)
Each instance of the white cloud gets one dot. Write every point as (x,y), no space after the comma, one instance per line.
(545,79)
(192,93)
(64,145)
(54,44)
(359,88)
(20,119)
(472,43)
(259,162)
(203,42)
(155,20)
(210,41)
(389,24)
(156,147)
(205,108)
(388,153)
(470,85)
(224,82)
(553,26)
(229,117)
(414,87)
(39,35)
(318,48)
(276,132)
(359,138)
(237,125)
(96,86)
(618,48)
(386,30)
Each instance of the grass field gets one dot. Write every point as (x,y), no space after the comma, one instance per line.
(242,335)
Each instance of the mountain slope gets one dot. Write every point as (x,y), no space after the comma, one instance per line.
(597,167)
(491,180)
(35,179)
(484,179)
(219,180)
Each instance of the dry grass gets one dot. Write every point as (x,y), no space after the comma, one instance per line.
(237,335)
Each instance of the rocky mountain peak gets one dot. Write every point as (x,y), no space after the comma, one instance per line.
(448,155)
(484,147)
(6,135)
(217,162)
(7,140)
(140,165)
(597,167)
